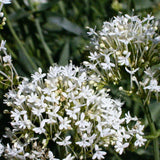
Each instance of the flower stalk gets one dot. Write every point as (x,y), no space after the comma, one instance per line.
(153,132)
(46,48)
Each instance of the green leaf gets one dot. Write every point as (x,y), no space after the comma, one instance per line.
(46,6)
(66,24)
(155,110)
(24,62)
(19,14)
(142,5)
(63,60)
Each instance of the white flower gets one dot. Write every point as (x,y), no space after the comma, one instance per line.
(14,151)
(153,86)
(32,98)
(140,141)
(64,123)
(53,98)
(1,149)
(73,113)
(65,142)
(120,147)
(40,102)
(16,114)
(91,31)
(37,76)
(107,65)
(7,58)
(149,72)
(93,56)
(38,111)
(40,129)
(69,157)
(82,124)
(23,123)
(129,118)
(52,111)
(99,154)
(51,156)
(131,72)
(124,60)
(5,1)
(85,141)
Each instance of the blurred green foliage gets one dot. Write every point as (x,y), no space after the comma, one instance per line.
(39,35)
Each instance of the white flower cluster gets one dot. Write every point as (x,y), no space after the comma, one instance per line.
(61,113)
(126,46)
(7,70)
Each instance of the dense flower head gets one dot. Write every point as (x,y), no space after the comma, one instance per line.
(127,46)
(61,114)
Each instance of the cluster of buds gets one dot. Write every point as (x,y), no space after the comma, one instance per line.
(2,17)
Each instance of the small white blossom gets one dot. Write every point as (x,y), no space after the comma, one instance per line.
(64,123)
(140,141)
(40,129)
(65,142)
(120,147)
(51,156)
(69,157)
(38,75)
(98,154)
(85,141)
(7,59)
(153,86)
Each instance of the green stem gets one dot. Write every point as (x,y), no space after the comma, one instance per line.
(153,131)
(46,48)
(20,44)
(16,4)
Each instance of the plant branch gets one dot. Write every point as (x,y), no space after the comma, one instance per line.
(153,131)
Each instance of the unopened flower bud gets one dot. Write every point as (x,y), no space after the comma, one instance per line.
(3,23)
(4,19)
(102,45)
(118,53)
(110,74)
(1,14)
(6,111)
(104,38)
(121,88)
(39,89)
(96,47)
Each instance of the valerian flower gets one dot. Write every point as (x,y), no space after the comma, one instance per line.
(73,115)
(126,44)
